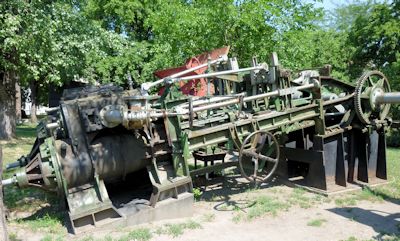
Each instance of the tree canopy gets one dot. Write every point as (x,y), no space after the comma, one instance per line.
(56,41)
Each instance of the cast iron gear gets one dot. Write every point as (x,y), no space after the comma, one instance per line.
(368,87)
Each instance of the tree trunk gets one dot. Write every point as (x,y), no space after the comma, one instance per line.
(3,224)
(7,105)
(33,87)
(18,102)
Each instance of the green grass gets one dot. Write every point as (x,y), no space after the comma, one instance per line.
(48,223)
(12,237)
(352,238)
(30,199)
(22,199)
(140,234)
(316,222)
(177,229)
(380,193)
(366,194)
(300,197)
(49,237)
(263,205)
(208,217)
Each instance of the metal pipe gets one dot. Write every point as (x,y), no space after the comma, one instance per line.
(388,98)
(214,99)
(146,86)
(254,97)
(215,74)
(116,116)
(9,181)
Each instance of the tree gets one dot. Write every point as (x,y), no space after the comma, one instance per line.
(376,34)
(122,16)
(251,28)
(314,48)
(9,27)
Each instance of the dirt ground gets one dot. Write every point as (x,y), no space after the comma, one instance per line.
(225,209)
(366,220)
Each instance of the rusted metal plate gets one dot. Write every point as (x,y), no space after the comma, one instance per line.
(197,87)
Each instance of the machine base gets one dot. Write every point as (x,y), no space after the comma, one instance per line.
(139,211)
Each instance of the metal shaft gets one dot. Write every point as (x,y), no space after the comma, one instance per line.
(388,98)
(215,74)
(116,116)
(251,98)
(148,85)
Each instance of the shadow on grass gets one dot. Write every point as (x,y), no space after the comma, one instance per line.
(50,219)
(47,212)
(26,131)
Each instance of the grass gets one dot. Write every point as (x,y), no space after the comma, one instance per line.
(12,237)
(140,234)
(30,199)
(352,238)
(263,205)
(49,237)
(367,194)
(177,229)
(316,222)
(300,197)
(52,224)
(208,217)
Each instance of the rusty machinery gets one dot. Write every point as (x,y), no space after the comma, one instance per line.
(119,156)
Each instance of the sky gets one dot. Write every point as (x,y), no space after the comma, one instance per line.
(329,4)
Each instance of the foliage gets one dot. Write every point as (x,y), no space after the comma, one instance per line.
(56,42)
(251,28)
(197,193)
(316,48)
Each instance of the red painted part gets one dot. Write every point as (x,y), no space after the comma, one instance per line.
(196,87)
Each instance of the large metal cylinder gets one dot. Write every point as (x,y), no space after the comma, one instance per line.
(113,157)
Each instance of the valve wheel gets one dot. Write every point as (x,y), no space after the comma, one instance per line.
(370,85)
(259,156)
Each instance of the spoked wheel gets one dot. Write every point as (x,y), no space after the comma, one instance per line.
(259,156)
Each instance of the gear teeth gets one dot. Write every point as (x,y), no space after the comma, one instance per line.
(357,98)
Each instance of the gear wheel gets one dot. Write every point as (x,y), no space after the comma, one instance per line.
(370,85)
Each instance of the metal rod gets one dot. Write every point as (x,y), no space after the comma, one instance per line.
(388,98)
(214,99)
(116,116)
(146,86)
(251,98)
(215,74)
